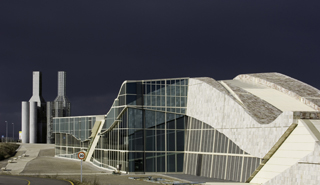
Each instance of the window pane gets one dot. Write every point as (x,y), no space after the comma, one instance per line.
(150,118)
(131,88)
(180,140)
(171,162)
(160,162)
(150,140)
(178,93)
(131,99)
(180,162)
(160,140)
(135,118)
(171,140)
(180,123)
(172,90)
(151,162)
(171,124)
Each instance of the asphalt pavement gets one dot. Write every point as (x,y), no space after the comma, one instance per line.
(21,180)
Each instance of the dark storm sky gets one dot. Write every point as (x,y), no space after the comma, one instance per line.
(102,43)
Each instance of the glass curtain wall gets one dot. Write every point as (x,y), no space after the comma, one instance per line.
(144,130)
(210,153)
(72,135)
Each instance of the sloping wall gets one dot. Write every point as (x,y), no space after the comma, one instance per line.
(299,144)
(306,171)
(209,102)
(287,85)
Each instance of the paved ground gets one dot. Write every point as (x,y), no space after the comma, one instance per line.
(47,164)
(193,178)
(208,181)
(31,151)
(40,162)
(4,163)
(109,179)
(19,180)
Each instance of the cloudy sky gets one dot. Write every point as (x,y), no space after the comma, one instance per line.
(102,43)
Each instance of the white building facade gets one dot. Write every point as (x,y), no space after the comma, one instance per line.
(257,128)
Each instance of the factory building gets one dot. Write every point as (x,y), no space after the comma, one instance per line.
(60,107)
(36,114)
(259,128)
(33,114)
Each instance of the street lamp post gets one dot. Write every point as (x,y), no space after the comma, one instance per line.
(6,131)
(13,131)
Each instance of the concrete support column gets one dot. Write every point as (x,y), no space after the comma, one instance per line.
(25,121)
(33,122)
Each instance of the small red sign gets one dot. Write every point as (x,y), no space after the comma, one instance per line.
(81,155)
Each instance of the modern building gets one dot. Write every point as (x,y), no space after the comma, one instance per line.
(259,128)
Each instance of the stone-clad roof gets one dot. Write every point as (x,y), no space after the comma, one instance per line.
(258,109)
(214,84)
(285,84)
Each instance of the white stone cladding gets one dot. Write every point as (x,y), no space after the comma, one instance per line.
(287,85)
(219,110)
(306,171)
(296,146)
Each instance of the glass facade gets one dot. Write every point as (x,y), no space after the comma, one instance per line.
(72,135)
(210,153)
(145,129)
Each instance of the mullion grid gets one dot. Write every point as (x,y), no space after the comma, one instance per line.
(161,97)
(225,154)
(168,96)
